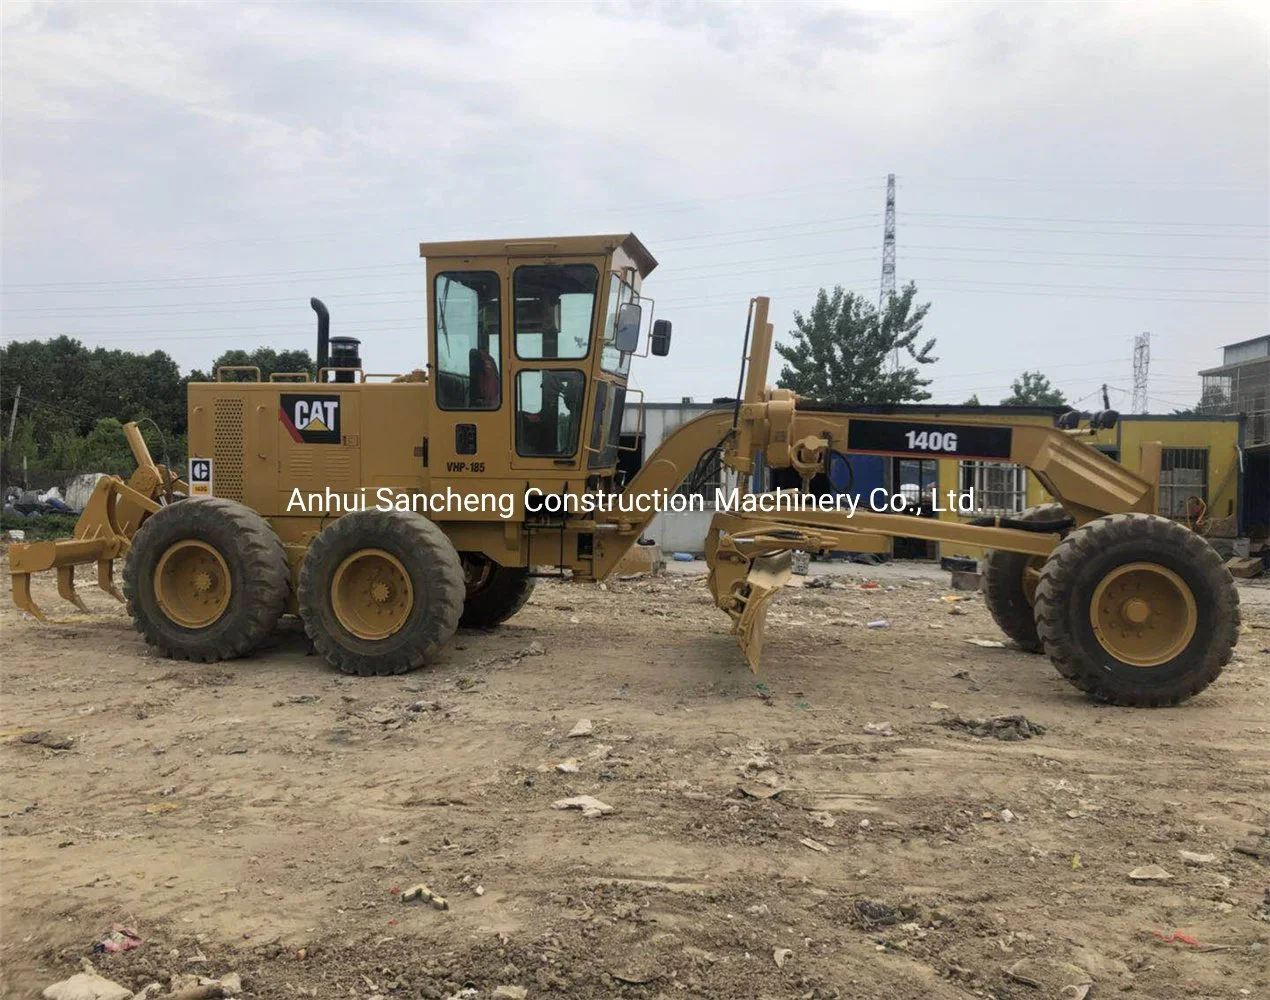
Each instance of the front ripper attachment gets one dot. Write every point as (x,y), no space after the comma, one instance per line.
(766,576)
(751,558)
(102,534)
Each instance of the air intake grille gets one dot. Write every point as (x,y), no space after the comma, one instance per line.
(228,448)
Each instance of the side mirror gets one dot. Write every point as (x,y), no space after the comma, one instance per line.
(626,332)
(659,344)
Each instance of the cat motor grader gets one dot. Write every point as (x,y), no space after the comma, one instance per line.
(531,343)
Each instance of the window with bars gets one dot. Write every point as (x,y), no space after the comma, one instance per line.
(1183,475)
(999,487)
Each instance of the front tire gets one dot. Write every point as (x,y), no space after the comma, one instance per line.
(380,592)
(1010,580)
(1135,609)
(206,580)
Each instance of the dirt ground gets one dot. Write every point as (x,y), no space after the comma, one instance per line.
(814,831)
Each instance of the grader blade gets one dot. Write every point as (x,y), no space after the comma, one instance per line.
(766,576)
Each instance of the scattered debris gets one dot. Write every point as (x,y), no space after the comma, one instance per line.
(86,986)
(880,623)
(825,819)
(782,955)
(1191,858)
(423,893)
(510,993)
(1150,873)
(987,643)
(569,766)
(119,938)
(535,648)
(591,807)
(939,706)
(157,808)
(50,741)
(1001,727)
(875,911)
(754,790)
(583,727)
(1245,566)
(302,699)
(879,729)
(1056,979)
(1007,816)
(815,845)
(1177,937)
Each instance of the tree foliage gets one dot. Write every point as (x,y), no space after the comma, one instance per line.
(1033,389)
(266,359)
(67,392)
(842,350)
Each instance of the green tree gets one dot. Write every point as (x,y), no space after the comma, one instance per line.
(973,401)
(842,350)
(1033,389)
(266,359)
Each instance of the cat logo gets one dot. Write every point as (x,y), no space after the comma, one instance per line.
(311,419)
(200,477)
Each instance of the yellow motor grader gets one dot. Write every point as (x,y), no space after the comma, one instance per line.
(387,511)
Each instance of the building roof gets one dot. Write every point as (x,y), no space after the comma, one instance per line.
(544,246)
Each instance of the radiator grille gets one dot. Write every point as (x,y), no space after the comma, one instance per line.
(227,450)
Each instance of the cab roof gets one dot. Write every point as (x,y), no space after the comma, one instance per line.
(546,246)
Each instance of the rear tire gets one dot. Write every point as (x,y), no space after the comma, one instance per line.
(380,592)
(1135,609)
(1006,589)
(494,592)
(206,580)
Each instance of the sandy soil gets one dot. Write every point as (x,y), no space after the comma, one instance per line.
(262,815)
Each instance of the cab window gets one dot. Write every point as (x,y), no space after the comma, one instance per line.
(611,359)
(469,336)
(555,308)
(548,412)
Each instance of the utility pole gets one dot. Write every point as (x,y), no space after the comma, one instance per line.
(13,419)
(1141,366)
(888,254)
(1106,402)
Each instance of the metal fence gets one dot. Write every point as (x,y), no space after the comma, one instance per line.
(999,487)
(1183,477)
(1245,389)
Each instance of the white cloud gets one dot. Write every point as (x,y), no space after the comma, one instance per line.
(216,138)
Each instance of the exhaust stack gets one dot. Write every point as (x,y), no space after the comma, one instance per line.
(323,333)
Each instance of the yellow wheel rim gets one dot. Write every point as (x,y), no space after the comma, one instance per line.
(371,594)
(1143,614)
(192,584)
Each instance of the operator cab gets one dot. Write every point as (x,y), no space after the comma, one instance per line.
(530,345)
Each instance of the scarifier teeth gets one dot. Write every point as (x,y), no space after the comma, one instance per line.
(66,586)
(106,578)
(22,596)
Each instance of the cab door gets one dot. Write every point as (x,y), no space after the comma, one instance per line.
(467,331)
(552,321)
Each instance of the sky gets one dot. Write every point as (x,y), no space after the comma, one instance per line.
(1068,176)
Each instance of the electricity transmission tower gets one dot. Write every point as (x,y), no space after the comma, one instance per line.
(1141,365)
(888,256)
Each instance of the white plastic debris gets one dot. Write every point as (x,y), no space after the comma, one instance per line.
(591,807)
